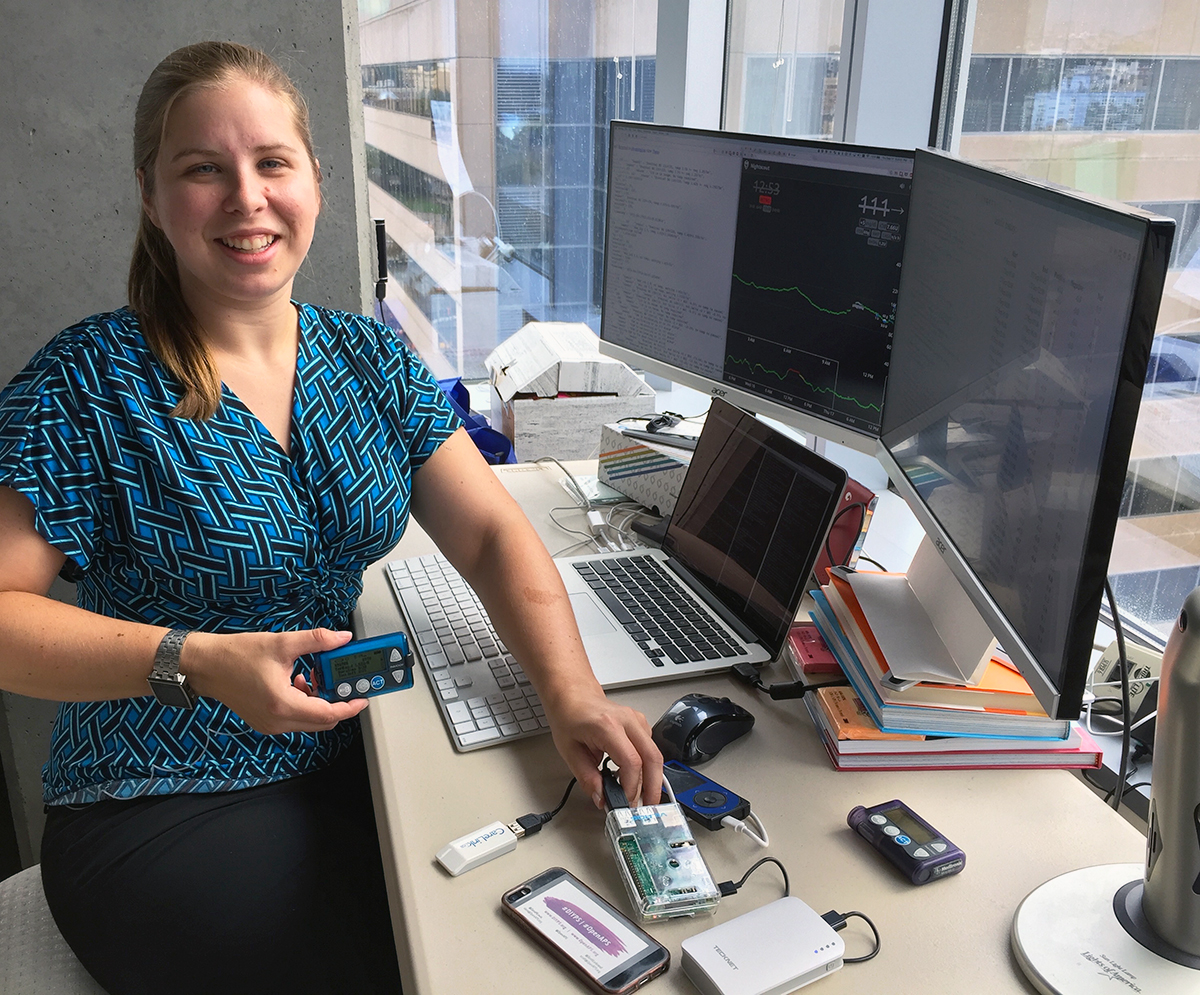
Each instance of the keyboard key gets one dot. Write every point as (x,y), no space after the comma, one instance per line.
(459,712)
(449,694)
(530,725)
(501,707)
(485,722)
(521,679)
(520,714)
(464,727)
(505,682)
(463,682)
(480,736)
(436,661)
(516,694)
(543,722)
(509,728)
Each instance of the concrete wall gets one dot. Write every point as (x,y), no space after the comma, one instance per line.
(70,76)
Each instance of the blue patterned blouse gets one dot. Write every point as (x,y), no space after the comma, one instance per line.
(210,525)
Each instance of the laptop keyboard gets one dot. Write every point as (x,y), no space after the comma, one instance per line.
(668,625)
(484,695)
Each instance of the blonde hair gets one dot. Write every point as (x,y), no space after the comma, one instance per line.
(170,328)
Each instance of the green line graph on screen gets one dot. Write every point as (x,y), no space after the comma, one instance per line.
(885,319)
(832,393)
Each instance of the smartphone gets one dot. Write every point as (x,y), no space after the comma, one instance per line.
(582,930)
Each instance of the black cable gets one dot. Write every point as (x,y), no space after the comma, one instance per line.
(747,673)
(532,822)
(875,562)
(838,921)
(731,887)
(1127,712)
(862,520)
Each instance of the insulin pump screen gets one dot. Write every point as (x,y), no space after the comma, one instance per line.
(587,933)
(355,664)
(909,826)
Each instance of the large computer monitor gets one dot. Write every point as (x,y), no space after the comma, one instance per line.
(1022,336)
(762,270)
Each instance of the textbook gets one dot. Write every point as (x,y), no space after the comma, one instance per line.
(900,714)
(1000,686)
(854,742)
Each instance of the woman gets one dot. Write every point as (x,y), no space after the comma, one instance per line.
(215,466)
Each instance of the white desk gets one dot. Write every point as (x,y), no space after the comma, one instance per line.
(1018,829)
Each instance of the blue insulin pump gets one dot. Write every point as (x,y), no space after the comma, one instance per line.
(364,668)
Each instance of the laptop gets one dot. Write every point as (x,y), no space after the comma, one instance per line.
(748,526)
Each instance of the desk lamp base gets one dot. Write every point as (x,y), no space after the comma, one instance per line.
(1069,941)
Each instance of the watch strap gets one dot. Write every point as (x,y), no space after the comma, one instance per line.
(167,684)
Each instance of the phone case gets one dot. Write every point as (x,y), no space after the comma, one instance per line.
(562,957)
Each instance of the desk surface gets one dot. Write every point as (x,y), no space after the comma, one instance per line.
(1018,828)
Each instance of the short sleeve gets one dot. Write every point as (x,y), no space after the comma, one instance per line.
(429,419)
(48,454)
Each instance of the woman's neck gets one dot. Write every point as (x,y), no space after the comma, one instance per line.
(265,332)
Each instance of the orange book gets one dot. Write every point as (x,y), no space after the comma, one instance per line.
(1000,689)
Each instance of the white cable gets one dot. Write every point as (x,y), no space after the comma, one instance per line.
(738,826)
(667,785)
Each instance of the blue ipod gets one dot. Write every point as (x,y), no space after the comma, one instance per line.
(702,798)
(364,668)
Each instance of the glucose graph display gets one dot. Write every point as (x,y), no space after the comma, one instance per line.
(762,269)
(816,267)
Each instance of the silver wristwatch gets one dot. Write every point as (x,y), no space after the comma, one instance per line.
(167,684)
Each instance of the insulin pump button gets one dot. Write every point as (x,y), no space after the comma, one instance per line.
(363,684)
(377,682)
(709,799)
(879,820)
(398,676)
(892,830)
(395,657)
(344,690)
(920,852)
(903,840)
(937,847)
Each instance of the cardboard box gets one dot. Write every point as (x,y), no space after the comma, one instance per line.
(552,390)
(649,474)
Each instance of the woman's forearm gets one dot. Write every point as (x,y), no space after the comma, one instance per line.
(53,650)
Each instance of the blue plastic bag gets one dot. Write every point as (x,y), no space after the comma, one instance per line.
(494,446)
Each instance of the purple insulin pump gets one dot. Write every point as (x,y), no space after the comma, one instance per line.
(364,668)
(908,841)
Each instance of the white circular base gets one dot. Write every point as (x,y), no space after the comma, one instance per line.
(1068,941)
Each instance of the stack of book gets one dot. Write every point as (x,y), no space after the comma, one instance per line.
(854,742)
(889,723)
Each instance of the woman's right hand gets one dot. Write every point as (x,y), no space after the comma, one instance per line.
(251,673)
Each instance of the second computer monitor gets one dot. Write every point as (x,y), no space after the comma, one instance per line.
(760,269)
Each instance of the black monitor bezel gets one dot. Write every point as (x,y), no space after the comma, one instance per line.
(1062,698)
(803,421)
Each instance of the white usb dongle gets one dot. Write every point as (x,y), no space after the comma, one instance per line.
(468,852)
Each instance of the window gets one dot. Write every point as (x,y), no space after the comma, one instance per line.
(487,141)
(782,76)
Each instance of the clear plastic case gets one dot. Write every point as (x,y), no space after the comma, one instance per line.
(660,862)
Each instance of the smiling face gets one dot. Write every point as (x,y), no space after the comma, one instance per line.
(236,195)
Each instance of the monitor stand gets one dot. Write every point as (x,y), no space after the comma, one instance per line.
(1070,939)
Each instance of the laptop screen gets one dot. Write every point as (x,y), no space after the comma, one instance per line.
(751,517)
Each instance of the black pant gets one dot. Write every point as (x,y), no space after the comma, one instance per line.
(277,888)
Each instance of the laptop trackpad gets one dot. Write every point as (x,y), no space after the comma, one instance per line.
(589,617)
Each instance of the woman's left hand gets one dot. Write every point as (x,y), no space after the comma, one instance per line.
(586,725)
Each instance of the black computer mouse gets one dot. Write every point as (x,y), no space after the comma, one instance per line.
(698,726)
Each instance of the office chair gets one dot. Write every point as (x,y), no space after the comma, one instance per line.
(34,958)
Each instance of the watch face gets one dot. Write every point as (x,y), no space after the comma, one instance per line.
(172,693)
